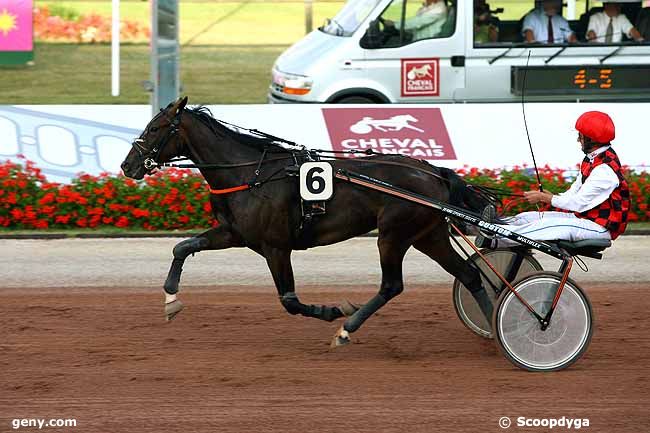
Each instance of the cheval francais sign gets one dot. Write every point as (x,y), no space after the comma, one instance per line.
(416,132)
(420,77)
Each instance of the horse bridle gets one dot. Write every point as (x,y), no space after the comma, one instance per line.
(150,156)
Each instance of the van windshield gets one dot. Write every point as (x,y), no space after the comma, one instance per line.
(348,20)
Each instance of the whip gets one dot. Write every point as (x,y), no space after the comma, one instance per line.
(523,111)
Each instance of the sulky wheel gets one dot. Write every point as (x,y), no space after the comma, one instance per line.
(519,334)
(502,259)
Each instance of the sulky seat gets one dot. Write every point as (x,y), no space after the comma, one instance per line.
(587,248)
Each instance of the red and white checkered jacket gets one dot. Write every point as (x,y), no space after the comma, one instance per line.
(612,213)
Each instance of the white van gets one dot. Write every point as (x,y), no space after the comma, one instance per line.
(377,51)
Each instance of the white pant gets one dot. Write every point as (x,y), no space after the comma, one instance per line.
(550,226)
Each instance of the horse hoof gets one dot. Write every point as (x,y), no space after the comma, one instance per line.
(348,308)
(341,338)
(172,309)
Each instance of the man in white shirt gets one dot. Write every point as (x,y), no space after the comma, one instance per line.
(545,25)
(427,22)
(608,26)
(595,207)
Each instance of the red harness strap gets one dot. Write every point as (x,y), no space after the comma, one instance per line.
(229,190)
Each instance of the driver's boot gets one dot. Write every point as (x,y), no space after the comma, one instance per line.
(484,239)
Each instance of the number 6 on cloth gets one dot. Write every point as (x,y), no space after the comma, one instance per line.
(316,181)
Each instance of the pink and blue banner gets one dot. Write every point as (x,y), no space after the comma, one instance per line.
(16,31)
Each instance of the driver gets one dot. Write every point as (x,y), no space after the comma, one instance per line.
(427,22)
(595,207)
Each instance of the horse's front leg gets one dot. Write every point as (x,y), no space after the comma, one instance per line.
(217,238)
(279,261)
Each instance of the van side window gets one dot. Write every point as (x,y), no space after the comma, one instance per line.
(548,22)
(486,23)
(406,21)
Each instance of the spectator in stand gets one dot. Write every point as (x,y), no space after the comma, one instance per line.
(546,25)
(608,26)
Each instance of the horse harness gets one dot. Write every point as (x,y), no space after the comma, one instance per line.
(298,155)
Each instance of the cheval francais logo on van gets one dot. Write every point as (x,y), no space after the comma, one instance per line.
(416,132)
(420,77)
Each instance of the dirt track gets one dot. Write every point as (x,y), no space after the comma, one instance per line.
(233,361)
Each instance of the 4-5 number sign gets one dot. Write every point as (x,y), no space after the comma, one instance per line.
(316,181)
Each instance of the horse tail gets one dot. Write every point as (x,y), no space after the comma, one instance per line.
(472,197)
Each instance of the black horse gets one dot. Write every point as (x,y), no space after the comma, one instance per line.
(267,217)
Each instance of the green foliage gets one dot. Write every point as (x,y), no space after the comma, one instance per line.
(66,12)
(81,74)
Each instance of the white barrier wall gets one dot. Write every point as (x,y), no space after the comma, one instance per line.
(66,140)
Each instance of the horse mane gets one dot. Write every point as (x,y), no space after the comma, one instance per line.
(204,115)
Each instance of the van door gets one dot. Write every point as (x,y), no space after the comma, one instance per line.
(415,51)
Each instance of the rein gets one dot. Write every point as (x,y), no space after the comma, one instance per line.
(172,163)
(229,190)
(298,150)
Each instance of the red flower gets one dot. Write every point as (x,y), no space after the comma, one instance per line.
(119,207)
(17,214)
(122,222)
(47,198)
(94,221)
(62,219)
(47,210)
(140,213)
(41,224)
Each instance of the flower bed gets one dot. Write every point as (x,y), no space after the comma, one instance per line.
(174,199)
(71,27)
(178,199)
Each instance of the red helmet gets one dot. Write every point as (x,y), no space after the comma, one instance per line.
(596,125)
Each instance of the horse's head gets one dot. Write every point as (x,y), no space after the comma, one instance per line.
(159,142)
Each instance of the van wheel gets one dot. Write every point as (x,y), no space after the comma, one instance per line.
(356,99)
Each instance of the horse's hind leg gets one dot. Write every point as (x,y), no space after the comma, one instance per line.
(217,238)
(391,252)
(438,247)
(279,261)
